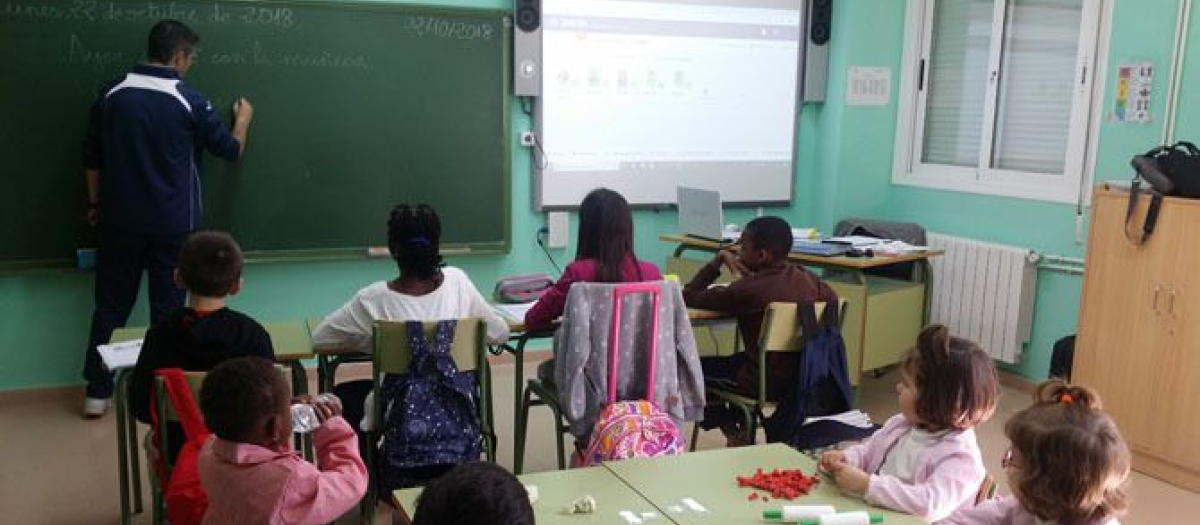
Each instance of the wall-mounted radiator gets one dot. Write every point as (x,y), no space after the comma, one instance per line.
(984,292)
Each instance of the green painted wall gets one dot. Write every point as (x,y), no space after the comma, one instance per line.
(862,145)
(845,169)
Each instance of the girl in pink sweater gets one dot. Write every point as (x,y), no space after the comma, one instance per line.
(1068,464)
(925,461)
(248,469)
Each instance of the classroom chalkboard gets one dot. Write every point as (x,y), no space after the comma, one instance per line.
(357,107)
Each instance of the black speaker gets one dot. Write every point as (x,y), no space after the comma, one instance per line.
(818,27)
(527,48)
(818,30)
(529,16)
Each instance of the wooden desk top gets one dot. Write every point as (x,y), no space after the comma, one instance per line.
(290,339)
(708,477)
(559,488)
(840,261)
(695,315)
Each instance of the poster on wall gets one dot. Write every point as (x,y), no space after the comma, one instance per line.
(1134,81)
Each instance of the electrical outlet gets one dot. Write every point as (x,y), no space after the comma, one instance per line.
(528,139)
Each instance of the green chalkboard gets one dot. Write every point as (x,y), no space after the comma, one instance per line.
(357,107)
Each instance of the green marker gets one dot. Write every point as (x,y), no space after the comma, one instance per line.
(813,515)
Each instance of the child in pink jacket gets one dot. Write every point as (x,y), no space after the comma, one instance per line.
(248,470)
(925,461)
(1068,464)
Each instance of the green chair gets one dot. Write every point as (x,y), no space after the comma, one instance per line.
(540,393)
(166,413)
(392,355)
(781,332)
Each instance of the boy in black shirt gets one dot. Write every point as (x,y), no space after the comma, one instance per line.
(203,333)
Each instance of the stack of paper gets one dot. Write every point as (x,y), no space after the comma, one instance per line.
(514,313)
(856,241)
(120,355)
(854,418)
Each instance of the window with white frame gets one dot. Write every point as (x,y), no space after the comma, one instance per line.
(996,96)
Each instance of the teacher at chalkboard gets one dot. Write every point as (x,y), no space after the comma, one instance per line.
(145,136)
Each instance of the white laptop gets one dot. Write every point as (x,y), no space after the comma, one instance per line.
(700,214)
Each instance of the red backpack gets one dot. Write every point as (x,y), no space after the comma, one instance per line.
(183,495)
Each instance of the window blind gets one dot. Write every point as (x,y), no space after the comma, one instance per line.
(957,82)
(1036,90)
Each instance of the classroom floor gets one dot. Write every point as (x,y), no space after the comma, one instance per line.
(61,470)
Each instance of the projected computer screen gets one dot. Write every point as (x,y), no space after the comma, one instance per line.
(642,96)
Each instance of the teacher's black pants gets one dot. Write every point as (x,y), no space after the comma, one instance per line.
(121,258)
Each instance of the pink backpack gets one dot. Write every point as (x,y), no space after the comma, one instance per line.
(631,429)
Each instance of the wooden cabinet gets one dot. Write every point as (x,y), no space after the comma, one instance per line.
(1138,345)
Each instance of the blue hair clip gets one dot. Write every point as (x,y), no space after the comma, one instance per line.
(417,241)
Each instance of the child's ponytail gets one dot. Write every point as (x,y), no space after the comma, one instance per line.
(1058,391)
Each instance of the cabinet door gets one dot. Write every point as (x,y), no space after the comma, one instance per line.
(1178,407)
(1121,326)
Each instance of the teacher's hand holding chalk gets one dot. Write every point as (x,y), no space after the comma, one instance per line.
(243,113)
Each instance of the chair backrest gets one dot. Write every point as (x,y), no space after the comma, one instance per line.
(686,268)
(393,355)
(166,410)
(781,330)
(619,292)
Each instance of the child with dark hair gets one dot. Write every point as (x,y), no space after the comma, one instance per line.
(205,332)
(925,461)
(1067,464)
(425,290)
(474,494)
(248,470)
(766,277)
(603,254)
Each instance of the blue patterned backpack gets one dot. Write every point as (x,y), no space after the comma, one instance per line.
(431,422)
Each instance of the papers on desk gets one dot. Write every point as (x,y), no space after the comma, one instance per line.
(120,355)
(513,312)
(854,418)
(897,248)
(856,241)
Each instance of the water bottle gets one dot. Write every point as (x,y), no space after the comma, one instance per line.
(304,416)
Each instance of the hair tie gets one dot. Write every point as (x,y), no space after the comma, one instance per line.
(417,241)
(1066,399)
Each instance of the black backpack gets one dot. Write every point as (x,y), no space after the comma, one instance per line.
(1171,171)
(822,388)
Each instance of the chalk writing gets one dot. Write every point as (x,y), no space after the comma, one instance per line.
(150,12)
(100,60)
(326,59)
(425,25)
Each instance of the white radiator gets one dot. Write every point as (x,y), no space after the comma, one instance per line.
(984,292)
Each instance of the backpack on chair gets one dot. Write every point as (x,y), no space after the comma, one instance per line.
(183,494)
(637,428)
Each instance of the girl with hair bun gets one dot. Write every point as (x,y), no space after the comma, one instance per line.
(1067,464)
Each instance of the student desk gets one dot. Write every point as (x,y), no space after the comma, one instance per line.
(883,316)
(708,477)
(558,489)
(291,342)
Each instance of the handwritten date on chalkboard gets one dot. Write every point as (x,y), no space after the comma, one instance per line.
(425,25)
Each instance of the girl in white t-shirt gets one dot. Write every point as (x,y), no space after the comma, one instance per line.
(424,290)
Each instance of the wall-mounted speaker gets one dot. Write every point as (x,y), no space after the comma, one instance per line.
(527,48)
(817,32)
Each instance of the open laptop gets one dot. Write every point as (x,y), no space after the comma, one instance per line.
(700,214)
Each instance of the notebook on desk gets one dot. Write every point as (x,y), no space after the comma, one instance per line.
(816,247)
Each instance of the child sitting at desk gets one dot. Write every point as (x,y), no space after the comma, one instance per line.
(925,461)
(604,254)
(425,290)
(202,334)
(766,277)
(248,470)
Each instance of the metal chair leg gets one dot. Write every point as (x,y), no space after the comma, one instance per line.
(695,435)
(519,434)
(558,437)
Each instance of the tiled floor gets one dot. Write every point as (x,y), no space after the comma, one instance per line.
(60,470)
